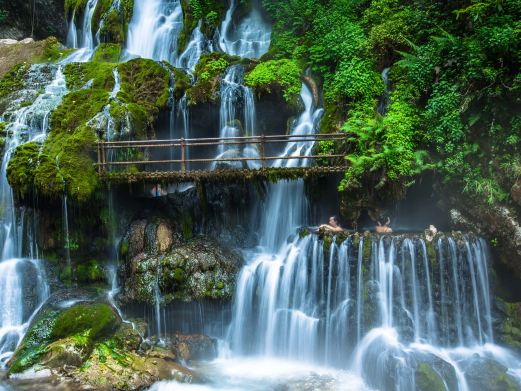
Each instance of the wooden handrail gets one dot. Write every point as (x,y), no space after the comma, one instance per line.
(262,141)
(286,137)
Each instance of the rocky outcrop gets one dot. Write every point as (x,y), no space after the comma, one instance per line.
(194,347)
(38,19)
(81,340)
(497,222)
(157,258)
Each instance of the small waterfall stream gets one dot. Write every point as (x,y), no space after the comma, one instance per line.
(237,113)
(250,38)
(155,29)
(24,124)
(82,38)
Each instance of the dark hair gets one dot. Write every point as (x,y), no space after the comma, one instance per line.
(334,218)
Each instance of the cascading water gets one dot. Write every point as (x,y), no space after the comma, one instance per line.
(250,38)
(197,45)
(84,39)
(17,274)
(237,102)
(370,301)
(155,29)
(285,211)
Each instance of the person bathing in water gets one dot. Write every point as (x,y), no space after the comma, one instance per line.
(333,225)
(384,228)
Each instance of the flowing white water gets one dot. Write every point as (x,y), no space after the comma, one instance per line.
(249,38)
(301,305)
(82,38)
(197,45)
(155,29)
(237,115)
(16,274)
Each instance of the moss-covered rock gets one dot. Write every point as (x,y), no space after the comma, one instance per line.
(209,72)
(209,13)
(427,379)
(508,330)
(66,160)
(484,374)
(107,52)
(281,76)
(196,269)
(78,328)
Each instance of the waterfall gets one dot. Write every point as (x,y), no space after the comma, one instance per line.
(237,115)
(86,41)
(385,100)
(284,212)
(155,29)
(368,301)
(287,206)
(17,274)
(72,34)
(250,38)
(197,45)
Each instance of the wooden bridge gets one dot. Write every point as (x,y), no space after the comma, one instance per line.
(217,159)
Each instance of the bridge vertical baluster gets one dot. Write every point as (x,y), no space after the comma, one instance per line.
(183,163)
(99,157)
(263,150)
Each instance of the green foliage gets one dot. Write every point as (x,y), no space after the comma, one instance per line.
(208,72)
(276,75)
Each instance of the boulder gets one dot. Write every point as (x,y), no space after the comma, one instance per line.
(484,374)
(194,347)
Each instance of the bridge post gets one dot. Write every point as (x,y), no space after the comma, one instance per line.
(263,150)
(183,163)
(99,157)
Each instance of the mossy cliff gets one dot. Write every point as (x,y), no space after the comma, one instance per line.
(64,162)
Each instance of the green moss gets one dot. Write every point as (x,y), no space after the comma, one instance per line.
(208,73)
(123,250)
(34,344)
(187,226)
(65,274)
(145,90)
(90,272)
(21,168)
(304,232)
(79,74)
(366,256)
(71,5)
(13,80)
(209,12)
(179,275)
(427,379)
(77,108)
(182,83)
(92,320)
(276,76)
(107,52)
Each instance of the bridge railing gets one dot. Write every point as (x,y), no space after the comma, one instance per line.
(109,158)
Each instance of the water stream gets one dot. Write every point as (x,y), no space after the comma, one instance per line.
(82,38)
(248,38)
(17,274)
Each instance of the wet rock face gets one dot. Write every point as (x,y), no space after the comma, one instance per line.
(494,222)
(194,347)
(47,19)
(508,324)
(157,257)
(484,374)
